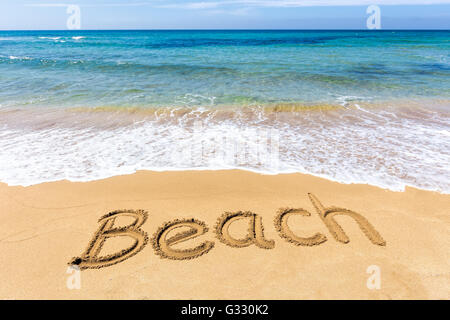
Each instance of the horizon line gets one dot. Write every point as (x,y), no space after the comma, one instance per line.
(225,29)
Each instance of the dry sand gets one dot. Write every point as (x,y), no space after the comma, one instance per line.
(44,226)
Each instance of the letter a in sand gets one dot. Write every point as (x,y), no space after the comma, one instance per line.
(255,231)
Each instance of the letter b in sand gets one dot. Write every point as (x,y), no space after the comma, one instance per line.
(90,258)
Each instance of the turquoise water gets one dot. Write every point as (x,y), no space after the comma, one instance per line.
(351,106)
(213,68)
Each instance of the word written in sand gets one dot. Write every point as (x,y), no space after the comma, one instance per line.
(163,243)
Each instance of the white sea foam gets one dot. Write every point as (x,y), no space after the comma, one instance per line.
(389,148)
(346,101)
(78,38)
(19,58)
(50,38)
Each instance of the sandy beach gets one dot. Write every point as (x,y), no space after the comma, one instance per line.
(45,226)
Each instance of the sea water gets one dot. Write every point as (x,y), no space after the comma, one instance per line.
(367,107)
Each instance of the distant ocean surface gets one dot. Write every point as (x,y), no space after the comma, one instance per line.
(351,106)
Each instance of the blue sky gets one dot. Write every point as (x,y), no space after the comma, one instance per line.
(226,14)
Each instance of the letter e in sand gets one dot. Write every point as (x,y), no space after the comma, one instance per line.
(163,244)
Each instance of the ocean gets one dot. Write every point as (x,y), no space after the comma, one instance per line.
(369,107)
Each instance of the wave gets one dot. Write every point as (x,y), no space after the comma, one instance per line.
(50,38)
(19,58)
(389,147)
(61,39)
(10,38)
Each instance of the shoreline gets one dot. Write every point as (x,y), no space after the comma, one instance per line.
(390,147)
(181,170)
(44,226)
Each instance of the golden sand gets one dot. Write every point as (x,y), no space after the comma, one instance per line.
(223,235)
